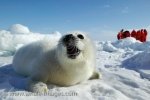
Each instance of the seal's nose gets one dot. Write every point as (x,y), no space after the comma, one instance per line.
(68,38)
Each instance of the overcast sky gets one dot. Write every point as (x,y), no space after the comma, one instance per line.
(101,18)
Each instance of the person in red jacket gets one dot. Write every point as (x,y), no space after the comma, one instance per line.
(138,35)
(145,35)
(133,34)
(120,35)
(126,34)
(142,39)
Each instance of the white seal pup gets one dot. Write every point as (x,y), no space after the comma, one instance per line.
(66,62)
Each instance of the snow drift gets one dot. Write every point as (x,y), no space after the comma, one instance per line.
(124,44)
(19,29)
(19,35)
(140,63)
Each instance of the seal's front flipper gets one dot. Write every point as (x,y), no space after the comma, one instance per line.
(96,75)
(37,83)
(37,87)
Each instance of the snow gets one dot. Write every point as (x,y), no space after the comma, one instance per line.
(19,29)
(18,36)
(124,66)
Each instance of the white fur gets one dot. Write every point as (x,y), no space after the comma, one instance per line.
(47,61)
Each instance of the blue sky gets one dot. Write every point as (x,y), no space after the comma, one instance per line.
(101,18)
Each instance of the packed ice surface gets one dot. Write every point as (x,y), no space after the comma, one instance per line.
(124,65)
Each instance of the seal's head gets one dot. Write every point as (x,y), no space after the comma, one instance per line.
(70,41)
(75,47)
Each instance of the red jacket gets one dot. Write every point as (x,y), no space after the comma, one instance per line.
(133,34)
(126,34)
(145,34)
(119,36)
(138,35)
(142,39)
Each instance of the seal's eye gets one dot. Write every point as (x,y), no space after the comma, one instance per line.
(80,36)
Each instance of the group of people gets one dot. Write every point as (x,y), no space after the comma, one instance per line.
(138,35)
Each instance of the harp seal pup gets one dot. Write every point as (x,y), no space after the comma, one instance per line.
(66,62)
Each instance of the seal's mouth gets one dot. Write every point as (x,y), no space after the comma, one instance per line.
(72,52)
(70,42)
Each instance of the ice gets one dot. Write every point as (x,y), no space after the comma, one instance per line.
(124,65)
(140,63)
